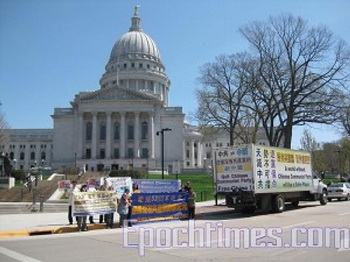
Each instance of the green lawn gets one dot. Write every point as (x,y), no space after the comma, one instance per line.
(201,183)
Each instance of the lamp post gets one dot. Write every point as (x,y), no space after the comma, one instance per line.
(161,132)
(36,173)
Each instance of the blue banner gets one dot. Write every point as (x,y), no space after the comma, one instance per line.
(159,206)
(157,186)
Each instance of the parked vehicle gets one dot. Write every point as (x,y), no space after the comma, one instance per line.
(261,177)
(339,191)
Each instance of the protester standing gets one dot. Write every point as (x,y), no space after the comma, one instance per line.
(123,207)
(82,219)
(73,188)
(110,217)
(191,203)
(91,188)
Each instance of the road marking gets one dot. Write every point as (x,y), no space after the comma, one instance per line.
(344,214)
(17,256)
(299,224)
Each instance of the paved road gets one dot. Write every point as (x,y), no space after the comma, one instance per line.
(309,233)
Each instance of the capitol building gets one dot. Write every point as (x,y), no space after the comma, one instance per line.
(121,124)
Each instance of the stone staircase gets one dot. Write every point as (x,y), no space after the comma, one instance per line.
(45,189)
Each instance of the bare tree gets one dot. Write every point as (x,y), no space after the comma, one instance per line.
(345,115)
(4,137)
(224,88)
(308,142)
(302,70)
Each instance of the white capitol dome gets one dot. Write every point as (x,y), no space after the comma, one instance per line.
(135,44)
(135,63)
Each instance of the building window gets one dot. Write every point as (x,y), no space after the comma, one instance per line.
(12,155)
(116,153)
(144,153)
(116,131)
(89,131)
(125,65)
(130,131)
(21,156)
(88,153)
(130,153)
(102,153)
(43,155)
(187,153)
(132,65)
(140,65)
(103,131)
(148,66)
(144,130)
(32,156)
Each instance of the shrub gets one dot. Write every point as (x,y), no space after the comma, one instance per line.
(137,174)
(19,175)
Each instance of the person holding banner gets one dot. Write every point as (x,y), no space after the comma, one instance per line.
(191,203)
(72,189)
(109,218)
(123,207)
(82,219)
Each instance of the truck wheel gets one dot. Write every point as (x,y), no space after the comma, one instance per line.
(295,203)
(323,198)
(278,204)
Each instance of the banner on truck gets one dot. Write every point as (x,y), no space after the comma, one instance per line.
(94,203)
(282,170)
(234,169)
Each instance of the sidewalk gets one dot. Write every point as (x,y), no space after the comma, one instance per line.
(19,225)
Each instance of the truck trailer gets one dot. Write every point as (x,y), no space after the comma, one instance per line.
(255,177)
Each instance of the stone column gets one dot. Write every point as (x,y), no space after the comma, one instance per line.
(94,135)
(199,154)
(184,156)
(136,134)
(80,136)
(192,154)
(122,135)
(108,135)
(151,135)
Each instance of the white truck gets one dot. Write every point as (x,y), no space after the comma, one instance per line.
(255,177)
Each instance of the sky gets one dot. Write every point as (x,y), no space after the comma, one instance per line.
(52,50)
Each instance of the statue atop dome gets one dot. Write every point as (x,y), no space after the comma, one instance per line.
(136,12)
(135,20)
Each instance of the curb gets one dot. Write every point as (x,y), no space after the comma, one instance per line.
(47,231)
(97,226)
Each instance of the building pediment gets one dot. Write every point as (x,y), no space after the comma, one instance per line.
(115,93)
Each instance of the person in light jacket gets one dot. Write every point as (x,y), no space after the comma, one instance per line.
(123,207)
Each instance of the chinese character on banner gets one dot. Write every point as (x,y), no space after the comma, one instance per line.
(258,152)
(259,162)
(274,183)
(266,153)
